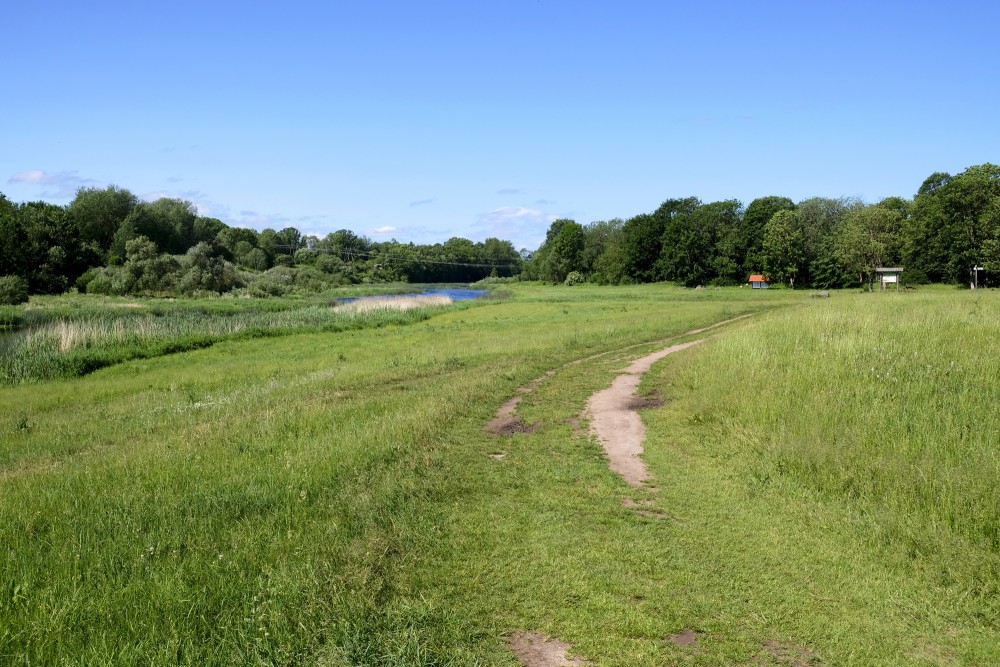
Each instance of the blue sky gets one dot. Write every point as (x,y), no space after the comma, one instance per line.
(422,121)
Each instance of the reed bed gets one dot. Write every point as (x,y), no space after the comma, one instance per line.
(70,346)
(372,304)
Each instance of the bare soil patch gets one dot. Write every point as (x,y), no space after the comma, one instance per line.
(789,654)
(642,508)
(534,649)
(642,402)
(506,422)
(685,638)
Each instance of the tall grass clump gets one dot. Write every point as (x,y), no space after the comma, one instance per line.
(888,401)
(374,304)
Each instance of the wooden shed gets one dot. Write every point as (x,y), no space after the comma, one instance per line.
(758,281)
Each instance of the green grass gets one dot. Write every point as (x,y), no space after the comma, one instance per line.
(329,498)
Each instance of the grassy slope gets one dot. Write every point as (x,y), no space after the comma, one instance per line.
(259,501)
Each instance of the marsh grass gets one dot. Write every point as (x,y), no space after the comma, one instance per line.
(79,344)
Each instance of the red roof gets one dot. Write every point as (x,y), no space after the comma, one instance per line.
(758,279)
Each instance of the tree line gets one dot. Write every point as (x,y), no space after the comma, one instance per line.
(949,227)
(108,241)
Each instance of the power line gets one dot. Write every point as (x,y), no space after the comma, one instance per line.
(387,257)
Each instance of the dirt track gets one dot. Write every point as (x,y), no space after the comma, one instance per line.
(615,422)
(613,417)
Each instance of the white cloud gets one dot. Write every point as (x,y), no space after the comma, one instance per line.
(384,231)
(522,226)
(65,182)
(202,204)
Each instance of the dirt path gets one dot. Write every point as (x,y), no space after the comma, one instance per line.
(615,422)
(506,421)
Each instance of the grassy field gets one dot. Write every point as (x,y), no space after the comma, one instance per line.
(829,468)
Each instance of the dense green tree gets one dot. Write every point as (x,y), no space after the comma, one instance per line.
(169,223)
(750,238)
(642,240)
(12,240)
(946,235)
(869,237)
(699,244)
(13,290)
(602,258)
(565,252)
(202,270)
(49,243)
(207,229)
(289,240)
(99,212)
(644,237)
(784,251)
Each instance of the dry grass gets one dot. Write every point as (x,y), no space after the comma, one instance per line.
(395,303)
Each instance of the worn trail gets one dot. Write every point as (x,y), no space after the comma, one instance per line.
(614,420)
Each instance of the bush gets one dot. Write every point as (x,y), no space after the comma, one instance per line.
(574,278)
(13,290)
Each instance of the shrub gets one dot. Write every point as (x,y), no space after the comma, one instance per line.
(574,278)
(13,290)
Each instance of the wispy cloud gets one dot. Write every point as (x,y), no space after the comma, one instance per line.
(63,184)
(544,202)
(202,202)
(509,191)
(421,202)
(384,231)
(524,227)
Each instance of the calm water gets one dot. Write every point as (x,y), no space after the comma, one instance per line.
(455,294)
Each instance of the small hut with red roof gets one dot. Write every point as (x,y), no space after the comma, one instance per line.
(758,281)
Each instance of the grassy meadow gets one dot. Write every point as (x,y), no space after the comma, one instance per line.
(826,470)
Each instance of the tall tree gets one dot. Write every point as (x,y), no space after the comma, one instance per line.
(751,234)
(699,245)
(565,252)
(947,232)
(784,251)
(99,212)
(868,238)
